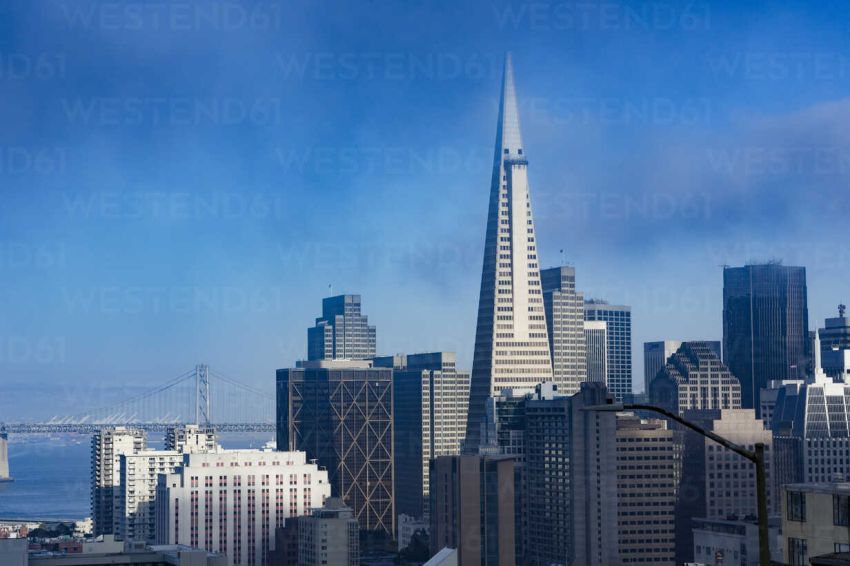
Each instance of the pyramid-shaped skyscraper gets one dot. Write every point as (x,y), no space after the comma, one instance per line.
(511,340)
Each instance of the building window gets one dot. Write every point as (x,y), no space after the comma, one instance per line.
(841,510)
(796,503)
(798,552)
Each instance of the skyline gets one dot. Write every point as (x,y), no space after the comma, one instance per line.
(93,242)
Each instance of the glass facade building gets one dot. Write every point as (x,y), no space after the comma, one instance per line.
(765,326)
(618,320)
(342,332)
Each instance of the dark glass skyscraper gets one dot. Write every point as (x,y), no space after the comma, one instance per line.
(765,326)
(340,413)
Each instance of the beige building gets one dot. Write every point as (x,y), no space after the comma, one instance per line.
(648,468)
(730,484)
(329,535)
(815,521)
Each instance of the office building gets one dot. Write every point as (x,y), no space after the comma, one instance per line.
(503,429)
(285,552)
(341,414)
(231,501)
(717,483)
(815,521)
(694,378)
(342,332)
(473,508)
(564,308)
(618,319)
(656,354)
(648,473)
(765,326)
(329,535)
(835,346)
(733,542)
(106,449)
(810,426)
(430,399)
(570,482)
(511,338)
(596,350)
(769,397)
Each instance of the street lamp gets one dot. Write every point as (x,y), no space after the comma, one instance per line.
(755,456)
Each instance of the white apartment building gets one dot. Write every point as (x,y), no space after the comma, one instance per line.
(135,505)
(106,449)
(231,501)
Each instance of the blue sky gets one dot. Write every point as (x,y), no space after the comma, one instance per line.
(183,181)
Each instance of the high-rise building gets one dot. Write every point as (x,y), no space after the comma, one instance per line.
(511,339)
(107,446)
(135,501)
(4,455)
(473,508)
(648,471)
(596,349)
(191,438)
(570,468)
(618,320)
(717,483)
(231,501)
(341,414)
(765,326)
(342,332)
(695,378)
(835,346)
(329,535)
(565,320)
(430,400)
(503,429)
(656,354)
(811,426)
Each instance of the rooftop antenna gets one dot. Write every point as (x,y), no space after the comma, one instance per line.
(841,310)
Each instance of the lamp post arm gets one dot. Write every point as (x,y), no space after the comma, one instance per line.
(751,456)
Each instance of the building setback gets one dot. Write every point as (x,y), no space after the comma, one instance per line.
(765,326)
(565,320)
(618,320)
(231,501)
(342,332)
(430,399)
(694,378)
(341,414)
(511,338)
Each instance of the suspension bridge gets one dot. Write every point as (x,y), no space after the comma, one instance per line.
(201,395)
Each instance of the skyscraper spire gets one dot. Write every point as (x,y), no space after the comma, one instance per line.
(508,135)
(511,339)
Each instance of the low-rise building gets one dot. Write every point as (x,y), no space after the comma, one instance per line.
(815,520)
(732,542)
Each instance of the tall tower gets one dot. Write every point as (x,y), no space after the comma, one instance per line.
(765,326)
(511,341)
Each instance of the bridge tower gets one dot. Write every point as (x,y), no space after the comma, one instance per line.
(202,395)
